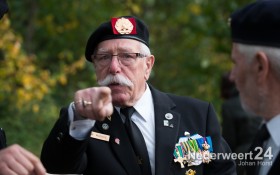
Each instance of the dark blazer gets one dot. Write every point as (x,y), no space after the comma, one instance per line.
(239,128)
(63,154)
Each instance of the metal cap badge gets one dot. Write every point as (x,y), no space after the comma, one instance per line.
(123,25)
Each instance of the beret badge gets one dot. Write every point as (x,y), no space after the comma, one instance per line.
(123,25)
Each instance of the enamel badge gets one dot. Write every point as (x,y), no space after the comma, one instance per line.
(123,25)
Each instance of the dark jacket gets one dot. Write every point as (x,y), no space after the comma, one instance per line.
(63,154)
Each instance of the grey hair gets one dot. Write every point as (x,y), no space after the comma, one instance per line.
(273,54)
(144,49)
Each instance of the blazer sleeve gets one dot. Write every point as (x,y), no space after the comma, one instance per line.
(220,165)
(61,153)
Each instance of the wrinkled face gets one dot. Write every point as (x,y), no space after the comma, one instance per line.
(126,74)
(242,74)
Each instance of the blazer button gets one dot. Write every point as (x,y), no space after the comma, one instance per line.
(59,137)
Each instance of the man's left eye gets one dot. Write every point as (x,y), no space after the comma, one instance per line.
(127,56)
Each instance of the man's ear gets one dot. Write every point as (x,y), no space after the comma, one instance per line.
(263,66)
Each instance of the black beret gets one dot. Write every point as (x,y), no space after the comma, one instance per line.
(257,24)
(127,27)
(3,8)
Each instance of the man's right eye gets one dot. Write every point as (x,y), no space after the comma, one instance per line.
(103,57)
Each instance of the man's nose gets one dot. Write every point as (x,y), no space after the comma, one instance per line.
(115,65)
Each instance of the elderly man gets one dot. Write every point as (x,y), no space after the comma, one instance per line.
(126,126)
(256,72)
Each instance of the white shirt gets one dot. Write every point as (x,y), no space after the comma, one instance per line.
(144,118)
(273,142)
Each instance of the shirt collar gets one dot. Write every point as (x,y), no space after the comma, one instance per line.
(145,105)
(273,128)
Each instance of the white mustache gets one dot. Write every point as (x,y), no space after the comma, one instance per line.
(110,79)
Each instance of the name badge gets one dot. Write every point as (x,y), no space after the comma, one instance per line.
(100,136)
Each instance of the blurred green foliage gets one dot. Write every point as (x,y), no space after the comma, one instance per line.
(42,55)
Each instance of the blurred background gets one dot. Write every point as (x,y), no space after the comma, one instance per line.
(42,59)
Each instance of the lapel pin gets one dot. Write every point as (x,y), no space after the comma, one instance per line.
(105,126)
(165,123)
(109,117)
(168,116)
(139,160)
(117,141)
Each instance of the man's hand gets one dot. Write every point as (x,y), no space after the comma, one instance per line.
(16,160)
(94,103)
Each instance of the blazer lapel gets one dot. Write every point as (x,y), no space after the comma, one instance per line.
(166,134)
(120,144)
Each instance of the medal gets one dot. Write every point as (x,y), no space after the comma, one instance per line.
(179,156)
(190,172)
(193,150)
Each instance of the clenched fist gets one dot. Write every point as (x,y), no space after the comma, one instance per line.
(16,160)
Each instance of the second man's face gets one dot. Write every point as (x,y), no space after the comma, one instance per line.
(243,75)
